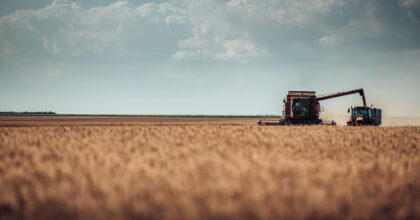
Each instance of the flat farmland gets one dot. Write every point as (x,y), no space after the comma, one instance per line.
(205,169)
(20,121)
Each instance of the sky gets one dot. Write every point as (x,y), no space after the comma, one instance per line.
(207,57)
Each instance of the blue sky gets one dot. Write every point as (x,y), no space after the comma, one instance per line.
(207,57)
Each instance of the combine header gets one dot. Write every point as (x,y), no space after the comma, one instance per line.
(303,108)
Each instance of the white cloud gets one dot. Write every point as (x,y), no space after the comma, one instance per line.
(330,41)
(237,2)
(218,30)
(237,49)
(409,3)
(194,54)
(305,12)
(227,31)
(290,12)
(411,7)
(215,35)
(240,49)
(65,28)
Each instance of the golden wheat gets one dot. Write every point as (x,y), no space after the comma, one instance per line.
(209,172)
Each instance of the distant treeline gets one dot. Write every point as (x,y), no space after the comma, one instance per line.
(27,113)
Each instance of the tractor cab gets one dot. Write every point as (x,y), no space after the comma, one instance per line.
(363,115)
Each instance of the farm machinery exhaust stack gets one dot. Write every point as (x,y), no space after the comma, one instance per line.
(303,107)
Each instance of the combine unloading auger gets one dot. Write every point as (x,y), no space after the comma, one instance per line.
(338,94)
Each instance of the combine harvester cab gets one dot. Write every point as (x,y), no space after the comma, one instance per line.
(303,108)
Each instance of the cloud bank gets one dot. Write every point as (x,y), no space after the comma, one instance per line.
(236,30)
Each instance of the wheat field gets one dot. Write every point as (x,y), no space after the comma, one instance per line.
(209,172)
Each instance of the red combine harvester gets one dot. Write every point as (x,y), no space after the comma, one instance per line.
(303,108)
